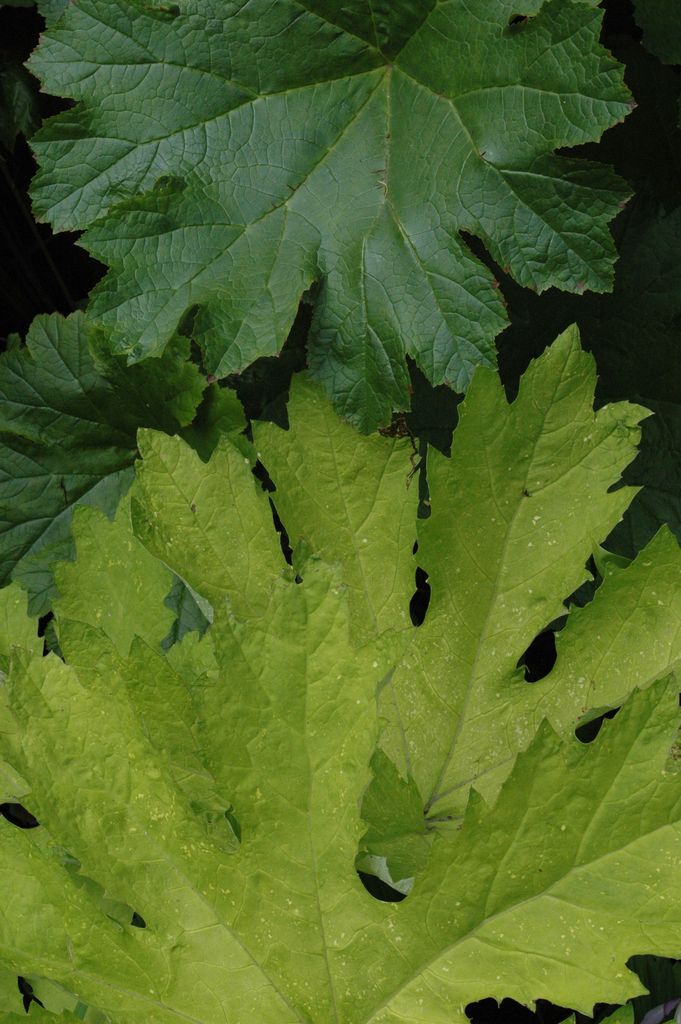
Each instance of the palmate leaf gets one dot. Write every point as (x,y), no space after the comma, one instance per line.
(516,513)
(280,929)
(229,158)
(215,788)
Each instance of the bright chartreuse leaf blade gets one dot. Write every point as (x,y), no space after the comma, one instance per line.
(209,522)
(10,997)
(266,728)
(169,723)
(69,413)
(533,880)
(214,904)
(393,808)
(51,1004)
(37,1013)
(114,584)
(628,635)
(17,628)
(63,908)
(350,150)
(564,849)
(515,515)
(350,500)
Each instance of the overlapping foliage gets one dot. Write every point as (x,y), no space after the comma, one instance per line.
(69,412)
(222,159)
(227,816)
(635,332)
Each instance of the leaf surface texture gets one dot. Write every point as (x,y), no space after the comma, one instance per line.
(213,790)
(227,159)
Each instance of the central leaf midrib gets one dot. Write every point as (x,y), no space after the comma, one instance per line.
(435,794)
(283,204)
(510,909)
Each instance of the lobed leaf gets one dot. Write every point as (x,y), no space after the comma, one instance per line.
(349,500)
(214,790)
(515,514)
(225,160)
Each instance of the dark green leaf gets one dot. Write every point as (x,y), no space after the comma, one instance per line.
(18,103)
(190,618)
(228,158)
(661,26)
(69,414)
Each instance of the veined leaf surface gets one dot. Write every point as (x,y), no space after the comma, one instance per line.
(215,789)
(226,159)
(517,511)
(68,421)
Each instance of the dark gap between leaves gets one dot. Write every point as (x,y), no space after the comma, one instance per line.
(43,623)
(17,815)
(488,1011)
(137,921)
(379,889)
(540,656)
(588,732)
(286,548)
(27,996)
(263,477)
(418,606)
(265,481)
